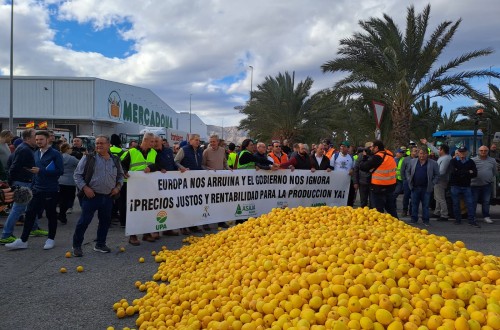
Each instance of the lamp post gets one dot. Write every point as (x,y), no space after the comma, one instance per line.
(11,104)
(190,95)
(251,81)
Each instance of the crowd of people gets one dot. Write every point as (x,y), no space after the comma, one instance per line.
(56,172)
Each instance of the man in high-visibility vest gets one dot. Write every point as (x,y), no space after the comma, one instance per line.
(329,150)
(383,182)
(141,158)
(231,156)
(277,156)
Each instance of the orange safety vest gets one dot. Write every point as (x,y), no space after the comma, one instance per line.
(385,174)
(330,152)
(276,160)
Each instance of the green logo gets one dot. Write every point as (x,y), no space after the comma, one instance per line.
(161,217)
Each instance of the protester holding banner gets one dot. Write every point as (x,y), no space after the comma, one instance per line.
(190,157)
(263,161)
(214,158)
(301,160)
(141,158)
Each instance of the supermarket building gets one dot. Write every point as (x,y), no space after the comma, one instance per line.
(90,106)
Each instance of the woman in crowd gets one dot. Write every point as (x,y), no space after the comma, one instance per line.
(67,187)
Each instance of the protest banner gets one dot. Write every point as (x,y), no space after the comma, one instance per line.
(160,201)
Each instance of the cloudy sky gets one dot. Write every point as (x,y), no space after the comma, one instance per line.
(205,47)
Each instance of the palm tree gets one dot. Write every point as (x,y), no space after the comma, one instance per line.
(398,68)
(426,118)
(277,108)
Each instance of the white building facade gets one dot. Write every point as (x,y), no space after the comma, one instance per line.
(90,106)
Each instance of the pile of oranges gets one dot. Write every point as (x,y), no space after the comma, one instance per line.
(320,268)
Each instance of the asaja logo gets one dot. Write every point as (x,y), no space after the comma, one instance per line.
(245,210)
(161,218)
(114,105)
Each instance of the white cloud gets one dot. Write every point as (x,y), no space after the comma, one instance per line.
(183,47)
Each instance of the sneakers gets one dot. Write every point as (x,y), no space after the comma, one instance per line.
(39,233)
(17,244)
(7,240)
(102,248)
(474,224)
(49,244)
(488,220)
(69,211)
(427,224)
(77,252)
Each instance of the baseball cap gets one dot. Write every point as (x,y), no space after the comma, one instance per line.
(462,149)
(345,143)
(401,151)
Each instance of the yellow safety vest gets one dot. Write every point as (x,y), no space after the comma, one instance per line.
(137,160)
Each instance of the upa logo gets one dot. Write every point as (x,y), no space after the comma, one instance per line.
(282,204)
(245,210)
(161,218)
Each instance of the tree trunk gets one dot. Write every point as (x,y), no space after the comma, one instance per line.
(401,118)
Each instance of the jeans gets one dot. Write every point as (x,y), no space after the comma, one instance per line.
(103,204)
(440,197)
(420,195)
(483,194)
(406,196)
(383,199)
(456,191)
(41,200)
(15,212)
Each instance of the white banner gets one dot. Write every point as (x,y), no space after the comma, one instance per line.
(160,201)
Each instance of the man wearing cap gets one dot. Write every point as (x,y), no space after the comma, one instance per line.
(462,170)
(481,185)
(344,162)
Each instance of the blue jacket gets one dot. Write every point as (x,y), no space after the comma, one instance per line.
(51,168)
(166,159)
(192,159)
(432,173)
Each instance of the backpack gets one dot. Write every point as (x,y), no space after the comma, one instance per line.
(88,171)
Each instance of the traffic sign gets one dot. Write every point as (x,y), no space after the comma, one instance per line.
(378,110)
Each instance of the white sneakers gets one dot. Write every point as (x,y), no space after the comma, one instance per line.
(488,220)
(49,244)
(17,244)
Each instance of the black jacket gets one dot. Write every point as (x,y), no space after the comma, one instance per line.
(23,158)
(462,173)
(262,162)
(325,162)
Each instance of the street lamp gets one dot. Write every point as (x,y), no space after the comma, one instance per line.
(251,81)
(11,104)
(190,95)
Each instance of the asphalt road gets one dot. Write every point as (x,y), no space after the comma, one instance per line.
(35,295)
